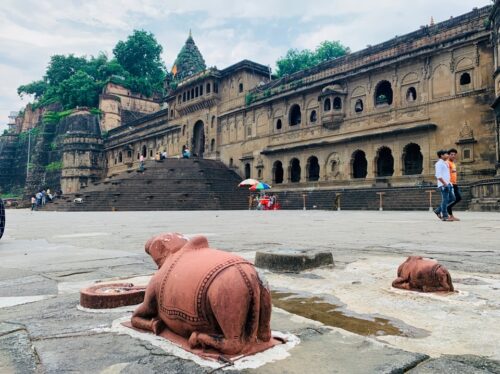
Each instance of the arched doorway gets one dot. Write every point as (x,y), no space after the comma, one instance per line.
(294,170)
(359,164)
(312,169)
(144,151)
(248,174)
(412,159)
(277,172)
(198,139)
(385,162)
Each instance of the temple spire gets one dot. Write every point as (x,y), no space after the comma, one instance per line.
(189,61)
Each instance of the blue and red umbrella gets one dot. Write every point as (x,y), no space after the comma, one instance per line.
(260,186)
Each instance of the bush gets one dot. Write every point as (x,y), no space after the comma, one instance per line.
(54,166)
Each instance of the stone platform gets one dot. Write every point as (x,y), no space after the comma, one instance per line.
(48,256)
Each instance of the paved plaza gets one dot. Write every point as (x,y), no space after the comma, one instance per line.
(46,257)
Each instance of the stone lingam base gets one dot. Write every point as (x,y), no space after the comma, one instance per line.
(111,295)
(293,260)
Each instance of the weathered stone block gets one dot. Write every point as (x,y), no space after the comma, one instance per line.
(293,260)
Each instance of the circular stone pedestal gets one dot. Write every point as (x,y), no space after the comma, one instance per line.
(293,260)
(113,295)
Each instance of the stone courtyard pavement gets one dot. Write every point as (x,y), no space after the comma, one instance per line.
(46,257)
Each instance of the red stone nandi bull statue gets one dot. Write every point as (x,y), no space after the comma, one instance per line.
(213,298)
(425,275)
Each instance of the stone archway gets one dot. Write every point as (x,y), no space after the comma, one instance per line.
(295,170)
(198,139)
(412,159)
(385,162)
(312,169)
(359,164)
(277,172)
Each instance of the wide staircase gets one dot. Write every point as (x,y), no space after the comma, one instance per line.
(171,184)
(394,198)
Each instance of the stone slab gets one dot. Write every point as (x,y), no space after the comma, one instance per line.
(458,365)
(16,352)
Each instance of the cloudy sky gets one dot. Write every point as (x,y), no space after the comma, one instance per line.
(225,31)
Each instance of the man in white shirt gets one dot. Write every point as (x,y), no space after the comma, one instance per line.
(444,185)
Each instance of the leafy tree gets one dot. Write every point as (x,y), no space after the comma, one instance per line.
(296,60)
(328,50)
(140,55)
(36,88)
(62,67)
(79,90)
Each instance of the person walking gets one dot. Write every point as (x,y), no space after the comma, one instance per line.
(444,185)
(141,163)
(44,197)
(33,202)
(452,155)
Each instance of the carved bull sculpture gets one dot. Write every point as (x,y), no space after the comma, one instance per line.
(213,298)
(426,275)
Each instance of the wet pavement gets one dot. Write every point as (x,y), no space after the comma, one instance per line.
(347,317)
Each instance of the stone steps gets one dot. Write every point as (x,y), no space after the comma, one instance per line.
(173,184)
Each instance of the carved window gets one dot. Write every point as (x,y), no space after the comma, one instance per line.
(313,117)
(278,124)
(196,92)
(129,154)
(208,88)
(295,115)
(231,162)
(411,94)
(383,94)
(358,106)
(327,105)
(337,103)
(184,96)
(465,79)
(259,174)
(467,154)
(120,157)
(212,122)
(240,88)
(201,90)
(171,113)
(212,145)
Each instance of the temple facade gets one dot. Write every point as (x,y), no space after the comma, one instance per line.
(371,118)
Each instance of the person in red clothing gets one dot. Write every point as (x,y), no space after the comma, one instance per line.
(452,155)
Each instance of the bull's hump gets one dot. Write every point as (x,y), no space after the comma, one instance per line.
(197,242)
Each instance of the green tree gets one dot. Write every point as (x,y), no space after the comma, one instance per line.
(140,56)
(79,90)
(296,60)
(63,67)
(328,50)
(36,88)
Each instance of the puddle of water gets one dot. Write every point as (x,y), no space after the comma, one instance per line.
(318,309)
